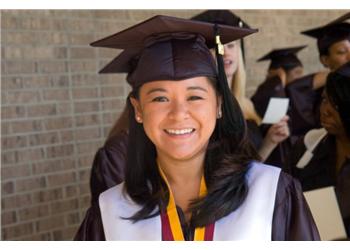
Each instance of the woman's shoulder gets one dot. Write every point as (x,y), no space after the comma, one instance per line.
(261,168)
(260,174)
(115,200)
(113,194)
(274,177)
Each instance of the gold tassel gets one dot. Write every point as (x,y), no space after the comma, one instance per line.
(219,44)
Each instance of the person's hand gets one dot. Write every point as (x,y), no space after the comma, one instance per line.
(278,132)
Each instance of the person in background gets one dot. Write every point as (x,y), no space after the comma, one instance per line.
(284,68)
(333,43)
(322,157)
(267,141)
(191,173)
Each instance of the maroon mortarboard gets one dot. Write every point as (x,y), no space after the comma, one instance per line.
(167,48)
(284,57)
(124,63)
(330,33)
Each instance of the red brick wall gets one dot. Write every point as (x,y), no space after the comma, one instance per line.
(56,110)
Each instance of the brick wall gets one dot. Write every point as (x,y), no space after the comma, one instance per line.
(56,110)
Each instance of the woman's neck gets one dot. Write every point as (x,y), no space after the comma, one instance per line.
(229,80)
(184,179)
(181,171)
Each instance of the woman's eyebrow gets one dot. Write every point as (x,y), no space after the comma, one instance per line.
(197,88)
(155,90)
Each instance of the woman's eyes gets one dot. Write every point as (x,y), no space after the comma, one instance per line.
(194,98)
(342,51)
(165,99)
(160,99)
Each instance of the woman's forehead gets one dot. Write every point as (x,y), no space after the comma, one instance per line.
(191,83)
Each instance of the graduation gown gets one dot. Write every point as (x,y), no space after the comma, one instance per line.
(291,217)
(271,87)
(320,172)
(304,111)
(109,165)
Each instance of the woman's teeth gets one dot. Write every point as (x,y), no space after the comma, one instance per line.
(179,131)
(227,62)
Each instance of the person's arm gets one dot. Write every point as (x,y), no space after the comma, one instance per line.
(276,134)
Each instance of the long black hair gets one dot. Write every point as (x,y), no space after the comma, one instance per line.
(228,154)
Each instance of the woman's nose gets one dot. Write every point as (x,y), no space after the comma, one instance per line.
(179,110)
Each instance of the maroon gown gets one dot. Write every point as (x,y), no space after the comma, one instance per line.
(292,219)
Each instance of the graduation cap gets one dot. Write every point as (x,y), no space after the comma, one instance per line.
(284,57)
(225,17)
(330,33)
(167,48)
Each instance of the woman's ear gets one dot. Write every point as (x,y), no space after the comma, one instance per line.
(137,109)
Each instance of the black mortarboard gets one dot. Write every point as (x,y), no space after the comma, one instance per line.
(167,48)
(284,57)
(330,33)
(225,17)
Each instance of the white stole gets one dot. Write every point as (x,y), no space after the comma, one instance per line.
(251,221)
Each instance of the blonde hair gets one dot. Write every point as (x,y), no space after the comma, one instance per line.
(238,86)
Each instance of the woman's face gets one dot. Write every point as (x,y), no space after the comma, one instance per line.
(338,54)
(230,58)
(329,117)
(178,116)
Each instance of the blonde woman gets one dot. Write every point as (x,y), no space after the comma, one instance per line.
(236,77)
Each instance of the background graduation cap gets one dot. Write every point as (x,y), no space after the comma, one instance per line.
(330,33)
(224,17)
(284,57)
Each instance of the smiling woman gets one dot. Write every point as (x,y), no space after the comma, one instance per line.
(178,116)
(191,173)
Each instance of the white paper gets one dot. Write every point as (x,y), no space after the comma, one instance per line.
(325,210)
(276,109)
